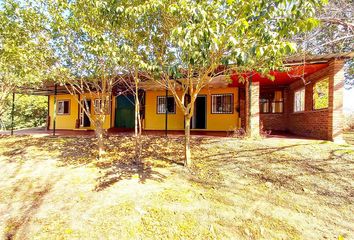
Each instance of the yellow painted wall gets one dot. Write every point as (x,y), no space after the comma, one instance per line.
(68,121)
(215,122)
(154,121)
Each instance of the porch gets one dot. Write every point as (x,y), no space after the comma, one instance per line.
(43,132)
(306,101)
(286,105)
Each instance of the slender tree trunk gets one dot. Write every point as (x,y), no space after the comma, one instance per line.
(100,134)
(137,124)
(137,129)
(187,143)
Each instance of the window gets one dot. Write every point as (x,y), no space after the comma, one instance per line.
(299,100)
(271,101)
(221,103)
(63,107)
(320,94)
(161,105)
(98,106)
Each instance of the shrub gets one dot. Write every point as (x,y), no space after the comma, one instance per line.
(349,121)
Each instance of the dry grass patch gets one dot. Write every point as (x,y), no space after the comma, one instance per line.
(56,188)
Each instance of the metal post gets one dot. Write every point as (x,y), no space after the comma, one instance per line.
(166,110)
(55,108)
(12,113)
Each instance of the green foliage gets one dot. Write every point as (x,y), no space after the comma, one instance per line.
(30,111)
(321,94)
(26,58)
(198,35)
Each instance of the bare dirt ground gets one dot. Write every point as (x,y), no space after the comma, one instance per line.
(55,188)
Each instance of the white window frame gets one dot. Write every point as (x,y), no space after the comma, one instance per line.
(62,102)
(299,105)
(213,106)
(162,105)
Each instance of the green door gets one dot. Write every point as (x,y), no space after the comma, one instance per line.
(125,112)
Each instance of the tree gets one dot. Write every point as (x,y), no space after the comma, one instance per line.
(333,34)
(89,56)
(26,58)
(190,40)
(30,111)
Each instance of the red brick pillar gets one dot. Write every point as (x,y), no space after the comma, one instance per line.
(254,110)
(335,106)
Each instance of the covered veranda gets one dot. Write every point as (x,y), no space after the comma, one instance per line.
(267,105)
(289,104)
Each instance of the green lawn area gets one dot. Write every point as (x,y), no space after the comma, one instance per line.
(54,188)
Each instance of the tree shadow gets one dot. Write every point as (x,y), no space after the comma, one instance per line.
(31,200)
(325,174)
(119,162)
(124,171)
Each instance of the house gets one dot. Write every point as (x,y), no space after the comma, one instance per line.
(307,101)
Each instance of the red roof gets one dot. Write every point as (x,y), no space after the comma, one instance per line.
(281,78)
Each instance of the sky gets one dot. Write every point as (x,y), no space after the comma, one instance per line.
(348,102)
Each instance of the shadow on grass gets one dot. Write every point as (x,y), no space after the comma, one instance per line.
(324,171)
(119,162)
(123,171)
(25,200)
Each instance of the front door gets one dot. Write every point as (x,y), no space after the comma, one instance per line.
(84,119)
(125,111)
(199,116)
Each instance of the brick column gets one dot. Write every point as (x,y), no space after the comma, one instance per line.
(335,107)
(254,110)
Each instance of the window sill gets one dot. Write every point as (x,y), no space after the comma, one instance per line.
(311,111)
(273,113)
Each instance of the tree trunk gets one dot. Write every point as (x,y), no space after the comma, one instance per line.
(187,147)
(100,134)
(137,127)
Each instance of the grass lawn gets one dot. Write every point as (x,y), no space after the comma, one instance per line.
(54,188)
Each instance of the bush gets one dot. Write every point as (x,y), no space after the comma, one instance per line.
(349,121)
(30,111)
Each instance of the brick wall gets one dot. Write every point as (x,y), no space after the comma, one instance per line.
(321,124)
(335,109)
(277,121)
(309,123)
(274,121)
(325,123)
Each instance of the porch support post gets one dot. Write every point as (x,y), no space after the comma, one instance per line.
(335,104)
(55,108)
(254,120)
(12,113)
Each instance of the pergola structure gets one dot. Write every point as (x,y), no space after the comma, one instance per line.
(48,90)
